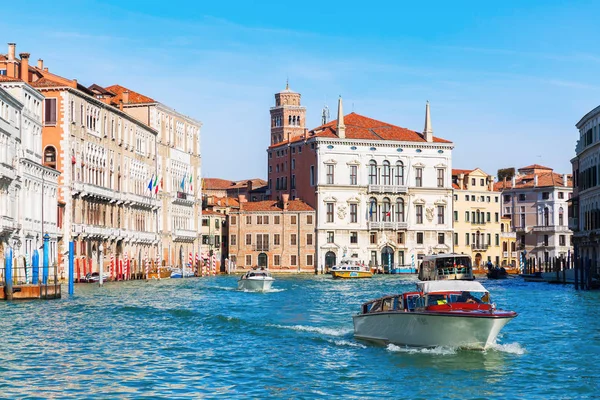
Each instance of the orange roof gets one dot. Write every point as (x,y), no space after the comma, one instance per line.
(216,183)
(256,183)
(134,97)
(274,205)
(45,82)
(361,127)
(455,186)
(226,202)
(536,166)
(211,212)
(4,78)
(548,179)
(462,171)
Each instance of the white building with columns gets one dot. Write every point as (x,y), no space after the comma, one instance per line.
(383,193)
(32,194)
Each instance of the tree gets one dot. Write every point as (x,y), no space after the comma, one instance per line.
(507,173)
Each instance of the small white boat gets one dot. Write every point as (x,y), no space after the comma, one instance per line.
(177,273)
(455,314)
(259,280)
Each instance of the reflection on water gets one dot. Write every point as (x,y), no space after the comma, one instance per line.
(203,337)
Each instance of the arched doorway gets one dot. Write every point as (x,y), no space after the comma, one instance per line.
(263,260)
(329,259)
(387,258)
(478,260)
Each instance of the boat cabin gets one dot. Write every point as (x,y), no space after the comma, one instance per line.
(445,267)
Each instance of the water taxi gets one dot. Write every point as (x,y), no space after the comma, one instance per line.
(350,271)
(259,280)
(446,266)
(455,314)
(160,273)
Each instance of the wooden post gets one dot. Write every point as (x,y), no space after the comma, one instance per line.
(576,271)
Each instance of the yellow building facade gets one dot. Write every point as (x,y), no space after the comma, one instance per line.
(476,217)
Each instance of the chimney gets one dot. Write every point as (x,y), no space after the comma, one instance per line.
(121,104)
(242,198)
(428,130)
(285,201)
(126,97)
(565,180)
(249,186)
(24,67)
(514,181)
(461,180)
(40,64)
(535,180)
(491,183)
(341,128)
(11,51)
(45,69)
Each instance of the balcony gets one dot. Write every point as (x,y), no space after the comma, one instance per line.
(184,199)
(513,254)
(478,223)
(550,228)
(260,247)
(142,237)
(479,247)
(505,254)
(76,188)
(7,224)
(387,225)
(184,235)
(508,235)
(98,192)
(392,189)
(7,172)
(141,201)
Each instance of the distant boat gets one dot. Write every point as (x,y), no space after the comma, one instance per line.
(177,273)
(350,268)
(164,273)
(259,280)
(535,277)
(497,273)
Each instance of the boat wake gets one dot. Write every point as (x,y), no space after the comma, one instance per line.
(510,348)
(261,291)
(442,351)
(315,329)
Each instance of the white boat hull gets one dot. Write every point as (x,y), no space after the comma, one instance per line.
(418,329)
(255,285)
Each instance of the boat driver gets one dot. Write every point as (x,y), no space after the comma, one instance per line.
(467,297)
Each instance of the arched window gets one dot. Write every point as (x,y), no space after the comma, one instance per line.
(373,172)
(546,216)
(399,210)
(502,229)
(386,211)
(513,246)
(372,209)
(560,216)
(387,173)
(504,246)
(399,173)
(50,157)
(290,120)
(298,120)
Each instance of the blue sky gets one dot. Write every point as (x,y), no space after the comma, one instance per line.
(507,81)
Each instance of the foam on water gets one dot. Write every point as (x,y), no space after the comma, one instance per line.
(349,344)
(443,351)
(511,348)
(315,329)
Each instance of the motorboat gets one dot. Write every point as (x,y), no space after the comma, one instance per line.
(438,267)
(160,273)
(350,269)
(259,280)
(447,313)
(94,277)
(178,273)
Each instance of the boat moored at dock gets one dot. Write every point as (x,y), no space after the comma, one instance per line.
(455,314)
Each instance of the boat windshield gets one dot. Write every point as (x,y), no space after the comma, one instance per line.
(462,264)
(458,297)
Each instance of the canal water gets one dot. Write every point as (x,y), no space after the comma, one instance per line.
(198,338)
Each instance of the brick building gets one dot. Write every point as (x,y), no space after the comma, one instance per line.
(279,235)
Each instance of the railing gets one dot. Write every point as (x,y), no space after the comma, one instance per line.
(183,198)
(7,171)
(7,224)
(550,228)
(98,191)
(184,234)
(479,247)
(261,247)
(505,254)
(388,189)
(145,201)
(478,222)
(508,235)
(387,225)
(513,254)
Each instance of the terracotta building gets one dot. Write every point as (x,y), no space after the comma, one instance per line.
(536,200)
(107,161)
(279,235)
(253,189)
(178,169)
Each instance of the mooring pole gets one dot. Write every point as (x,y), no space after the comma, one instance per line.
(8,280)
(71,269)
(46,259)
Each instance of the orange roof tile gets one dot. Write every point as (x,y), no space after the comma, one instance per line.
(211,212)
(134,97)
(273,205)
(216,183)
(536,166)
(45,82)
(548,179)
(226,202)
(462,171)
(361,127)
(4,78)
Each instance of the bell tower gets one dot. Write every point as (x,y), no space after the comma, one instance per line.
(288,117)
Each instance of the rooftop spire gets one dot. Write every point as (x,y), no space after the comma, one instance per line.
(287,83)
(341,128)
(428,130)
